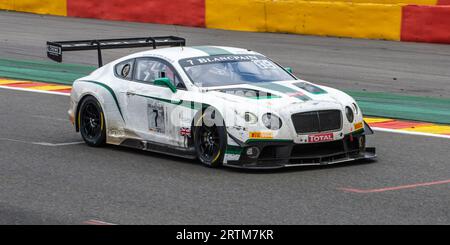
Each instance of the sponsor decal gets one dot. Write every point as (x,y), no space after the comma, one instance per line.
(126,70)
(156,117)
(116,132)
(265,64)
(358,126)
(320,138)
(54,53)
(218,59)
(261,135)
(234,150)
(185,132)
(54,50)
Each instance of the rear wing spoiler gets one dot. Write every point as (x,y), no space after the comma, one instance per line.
(55,50)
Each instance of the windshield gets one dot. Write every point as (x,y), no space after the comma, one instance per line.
(222,70)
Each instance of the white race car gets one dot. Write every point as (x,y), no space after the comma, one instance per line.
(221,105)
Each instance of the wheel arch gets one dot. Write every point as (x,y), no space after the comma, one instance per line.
(198,115)
(202,110)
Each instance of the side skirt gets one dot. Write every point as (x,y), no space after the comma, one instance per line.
(188,153)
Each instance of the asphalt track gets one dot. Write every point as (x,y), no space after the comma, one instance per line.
(350,64)
(45,179)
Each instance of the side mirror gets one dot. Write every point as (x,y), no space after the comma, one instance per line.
(164,81)
(289,69)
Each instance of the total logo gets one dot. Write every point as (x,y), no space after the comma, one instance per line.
(320,138)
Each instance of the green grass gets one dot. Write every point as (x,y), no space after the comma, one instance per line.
(399,106)
(43,71)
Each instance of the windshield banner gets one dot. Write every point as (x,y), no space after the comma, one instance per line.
(219,59)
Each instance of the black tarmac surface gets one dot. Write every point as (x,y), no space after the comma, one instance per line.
(47,177)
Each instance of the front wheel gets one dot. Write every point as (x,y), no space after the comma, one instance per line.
(92,122)
(210,138)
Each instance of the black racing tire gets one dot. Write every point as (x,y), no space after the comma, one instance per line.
(210,138)
(92,122)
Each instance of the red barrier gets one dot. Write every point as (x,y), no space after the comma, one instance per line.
(426,24)
(178,12)
(443,2)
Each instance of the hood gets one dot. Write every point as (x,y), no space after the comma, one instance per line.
(279,94)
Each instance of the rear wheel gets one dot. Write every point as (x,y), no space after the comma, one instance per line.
(210,138)
(92,122)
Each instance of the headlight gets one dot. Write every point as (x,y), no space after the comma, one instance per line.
(272,121)
(355,107)
(250,118)
(247,116)
(349,113)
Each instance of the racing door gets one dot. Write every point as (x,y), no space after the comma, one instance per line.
(150,102)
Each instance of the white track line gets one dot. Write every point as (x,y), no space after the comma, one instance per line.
(396,131)
(13,140)
(35,91)
(50,118)
(395,188)
(43,143)
(59,144)
(96,222)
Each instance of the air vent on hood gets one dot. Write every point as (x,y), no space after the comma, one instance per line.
(249,93)
(310,88)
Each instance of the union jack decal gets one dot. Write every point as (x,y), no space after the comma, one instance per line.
(185,132)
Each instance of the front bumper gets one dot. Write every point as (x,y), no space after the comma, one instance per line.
(280,154)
